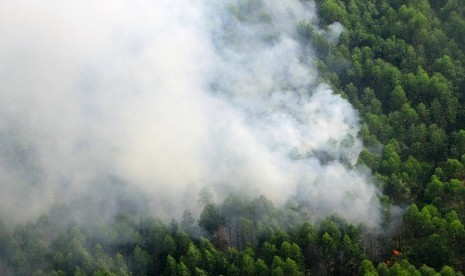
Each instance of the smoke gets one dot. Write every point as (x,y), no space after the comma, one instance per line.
(149,101)
(333,32)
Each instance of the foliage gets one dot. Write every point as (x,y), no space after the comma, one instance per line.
(406,79)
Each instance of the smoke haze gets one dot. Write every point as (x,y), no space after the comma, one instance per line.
(150,101)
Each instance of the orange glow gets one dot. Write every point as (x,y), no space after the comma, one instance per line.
(396,252)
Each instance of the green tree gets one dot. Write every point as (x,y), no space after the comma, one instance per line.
(367,268)
(171,266)
(192,257)
(261,268)
(247,265)
(211,219)
(140,262)
(182,270)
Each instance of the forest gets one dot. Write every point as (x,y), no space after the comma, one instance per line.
(401,64)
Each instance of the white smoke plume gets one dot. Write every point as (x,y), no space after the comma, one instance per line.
(161,98)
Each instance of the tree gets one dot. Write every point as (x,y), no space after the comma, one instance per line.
(171,266)
(261,269)
(398,98)
(367,268)
(182,270)
(460,143)
(211,219)
(187,223)
(328,246)
(192,257)
(291,268)
(331,11)
(247,265)
(277,267)
(140,261)
(102,261)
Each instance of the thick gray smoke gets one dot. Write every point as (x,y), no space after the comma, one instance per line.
(162,98)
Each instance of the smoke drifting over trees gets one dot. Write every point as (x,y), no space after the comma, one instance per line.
(147,102)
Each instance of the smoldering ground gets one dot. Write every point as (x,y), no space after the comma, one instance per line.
(149,101)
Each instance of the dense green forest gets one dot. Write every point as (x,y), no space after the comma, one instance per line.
(402,65)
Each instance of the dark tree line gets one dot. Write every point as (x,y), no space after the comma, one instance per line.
(236,237)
